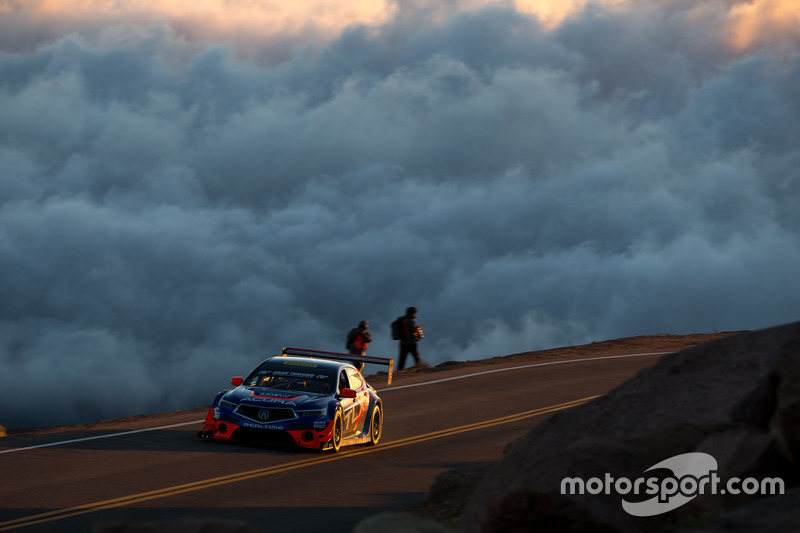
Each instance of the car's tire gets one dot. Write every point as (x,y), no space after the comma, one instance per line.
(336,439)
(376,425)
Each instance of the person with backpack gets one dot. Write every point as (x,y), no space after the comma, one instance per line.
(358,339)
(406,330)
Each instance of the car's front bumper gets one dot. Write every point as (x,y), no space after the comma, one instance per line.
(301,434)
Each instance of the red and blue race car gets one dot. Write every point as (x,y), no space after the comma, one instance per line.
(304,398)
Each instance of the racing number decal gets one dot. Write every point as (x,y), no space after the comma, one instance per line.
(355,412)
(349,417)
(363,404)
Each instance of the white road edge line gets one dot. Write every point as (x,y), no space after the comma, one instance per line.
(99,437)
(382,391)
(521,367)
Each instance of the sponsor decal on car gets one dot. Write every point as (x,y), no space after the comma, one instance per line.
(261,426)
(271,399)
(300,363)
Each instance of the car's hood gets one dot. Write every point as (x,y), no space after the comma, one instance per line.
(270,397)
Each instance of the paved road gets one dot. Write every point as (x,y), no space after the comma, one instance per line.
(435,421)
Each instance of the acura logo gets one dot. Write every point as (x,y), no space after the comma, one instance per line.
(263,414)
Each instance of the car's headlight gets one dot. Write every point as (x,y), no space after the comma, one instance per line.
(316,413)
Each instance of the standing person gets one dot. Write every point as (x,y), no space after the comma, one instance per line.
(406,330)
(358,340)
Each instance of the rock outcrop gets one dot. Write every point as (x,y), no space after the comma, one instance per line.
(736,399)
(400,523)
(780,514)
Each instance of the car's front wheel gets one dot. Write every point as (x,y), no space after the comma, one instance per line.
(336,440)
(376,425)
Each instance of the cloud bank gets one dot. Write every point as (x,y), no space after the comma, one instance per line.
(175,206)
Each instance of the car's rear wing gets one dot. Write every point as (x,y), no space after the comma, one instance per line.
(387,361)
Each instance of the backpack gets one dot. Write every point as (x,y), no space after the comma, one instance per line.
(397,329)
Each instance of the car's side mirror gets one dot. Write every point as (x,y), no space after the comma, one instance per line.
(236,381)
(347,393)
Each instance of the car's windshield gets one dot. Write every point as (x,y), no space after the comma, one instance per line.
(294,376)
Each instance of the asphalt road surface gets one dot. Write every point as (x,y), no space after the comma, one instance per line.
(154,469)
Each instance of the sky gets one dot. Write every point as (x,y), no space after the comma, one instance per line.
(187,187)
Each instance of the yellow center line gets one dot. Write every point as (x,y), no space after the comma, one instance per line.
(60,514)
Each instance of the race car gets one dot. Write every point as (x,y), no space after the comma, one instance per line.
(303,398)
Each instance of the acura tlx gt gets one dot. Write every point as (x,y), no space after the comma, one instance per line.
(318,400)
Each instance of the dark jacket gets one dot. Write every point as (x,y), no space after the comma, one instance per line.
(409,331)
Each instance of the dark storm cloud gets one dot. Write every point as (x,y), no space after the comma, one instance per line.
(171,213)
